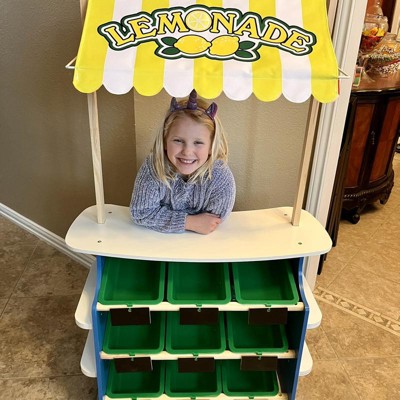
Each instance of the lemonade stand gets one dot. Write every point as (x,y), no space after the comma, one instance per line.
(156,329)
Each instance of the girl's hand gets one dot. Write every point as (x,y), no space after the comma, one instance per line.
(202,223)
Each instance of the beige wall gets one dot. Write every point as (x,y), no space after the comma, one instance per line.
(45,159)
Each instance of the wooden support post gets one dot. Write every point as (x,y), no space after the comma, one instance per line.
(305,159)
(96,156)
(311,128)
(83,6)
(95,142)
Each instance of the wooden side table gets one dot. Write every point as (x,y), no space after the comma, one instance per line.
(374,113)
(364,172)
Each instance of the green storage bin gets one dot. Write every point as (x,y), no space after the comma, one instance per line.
(247,383)
(136,384)
(243,337)
(198,283)
(192,384)
(136,339)
(265,282)
(194,339)
(130,282)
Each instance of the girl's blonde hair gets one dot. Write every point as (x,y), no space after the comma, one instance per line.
(165,171)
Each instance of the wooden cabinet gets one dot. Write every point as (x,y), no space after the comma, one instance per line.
(373,130)
(364,172)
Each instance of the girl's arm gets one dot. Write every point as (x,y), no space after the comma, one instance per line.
(204,223)
(146,204)
(223,191)
(219,204)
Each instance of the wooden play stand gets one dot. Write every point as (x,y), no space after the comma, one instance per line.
(288,234)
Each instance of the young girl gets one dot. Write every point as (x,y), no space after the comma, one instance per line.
(185,183)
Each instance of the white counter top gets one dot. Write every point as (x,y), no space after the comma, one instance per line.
(244,236)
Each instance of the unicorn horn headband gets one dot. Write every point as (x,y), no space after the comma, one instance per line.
(192,105)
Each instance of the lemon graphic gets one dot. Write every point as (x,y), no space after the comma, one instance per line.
(224,45)
(198,20)
(192,44)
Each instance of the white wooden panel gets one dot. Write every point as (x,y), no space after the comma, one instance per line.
(279,396)
(226,355)
(232,306)
(244,236)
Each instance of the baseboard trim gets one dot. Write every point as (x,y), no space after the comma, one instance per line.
(44,234)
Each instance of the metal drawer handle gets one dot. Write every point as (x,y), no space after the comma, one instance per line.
(373,138)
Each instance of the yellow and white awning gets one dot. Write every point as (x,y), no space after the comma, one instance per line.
(239,47)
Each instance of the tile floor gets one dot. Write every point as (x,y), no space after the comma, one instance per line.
(356,350)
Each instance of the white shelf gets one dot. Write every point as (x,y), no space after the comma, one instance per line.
(279,396)
(88,361)
(83,313)
(245,236)
(232,306)
(315,315)
(306,361)
(305,365)
(226,355)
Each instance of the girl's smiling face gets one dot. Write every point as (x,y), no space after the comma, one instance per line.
(188,145)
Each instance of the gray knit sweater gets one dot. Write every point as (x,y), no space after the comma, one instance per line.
(164,209)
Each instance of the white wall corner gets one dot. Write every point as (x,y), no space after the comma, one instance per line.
(44,234)
(346,40)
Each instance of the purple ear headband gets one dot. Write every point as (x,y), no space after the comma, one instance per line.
(192,105)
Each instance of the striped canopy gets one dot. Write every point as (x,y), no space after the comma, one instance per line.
(239,47)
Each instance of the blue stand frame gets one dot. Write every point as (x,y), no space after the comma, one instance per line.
(288,369)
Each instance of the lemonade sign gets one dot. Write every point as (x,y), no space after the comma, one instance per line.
(216,33)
